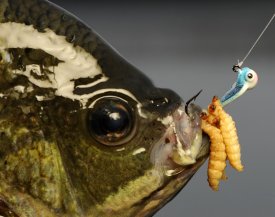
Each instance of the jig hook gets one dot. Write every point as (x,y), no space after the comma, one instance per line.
(189,101)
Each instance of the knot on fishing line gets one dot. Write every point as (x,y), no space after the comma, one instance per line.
(236,68)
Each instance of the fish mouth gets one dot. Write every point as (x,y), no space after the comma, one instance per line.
(191,143)
(184,173)
(184,147)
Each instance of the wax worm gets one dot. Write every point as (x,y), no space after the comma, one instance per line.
(217,157)
(229,134)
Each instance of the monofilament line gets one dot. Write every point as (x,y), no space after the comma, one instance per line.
(267,25)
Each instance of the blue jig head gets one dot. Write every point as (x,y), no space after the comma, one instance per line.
(246,80)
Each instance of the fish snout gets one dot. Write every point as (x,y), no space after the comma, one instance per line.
(191,142)
(184,145)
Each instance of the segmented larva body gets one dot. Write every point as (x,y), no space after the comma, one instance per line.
(217,157)
(230,137)
(213,118)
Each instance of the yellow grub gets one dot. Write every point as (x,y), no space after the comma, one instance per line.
(213,120)
(217,156)
(230,137)
(224,142)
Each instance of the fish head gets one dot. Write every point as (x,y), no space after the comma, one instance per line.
(83,132)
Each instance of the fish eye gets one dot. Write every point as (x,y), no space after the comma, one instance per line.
(111,121)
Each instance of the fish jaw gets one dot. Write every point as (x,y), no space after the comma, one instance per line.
(184,142)
(178,155)
(157,200)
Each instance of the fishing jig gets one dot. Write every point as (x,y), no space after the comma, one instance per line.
(220,126)
(247,78)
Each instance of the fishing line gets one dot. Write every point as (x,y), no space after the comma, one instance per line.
(238,66)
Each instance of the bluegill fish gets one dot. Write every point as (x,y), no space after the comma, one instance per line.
(83,132)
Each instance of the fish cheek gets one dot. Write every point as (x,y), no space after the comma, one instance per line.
(113,169)
(98,170)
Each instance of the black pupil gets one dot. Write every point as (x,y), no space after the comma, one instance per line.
(250,75)
(109,119)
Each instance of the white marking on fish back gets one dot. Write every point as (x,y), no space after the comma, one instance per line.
(76,62)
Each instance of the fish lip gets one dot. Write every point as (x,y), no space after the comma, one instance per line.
(183,143)
(189,170)
(191,143)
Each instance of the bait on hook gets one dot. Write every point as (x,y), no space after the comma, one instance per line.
(220,126)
